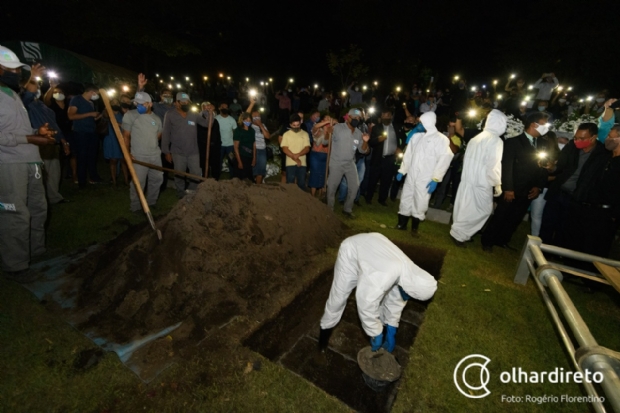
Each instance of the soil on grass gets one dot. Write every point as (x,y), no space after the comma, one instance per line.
(229,251)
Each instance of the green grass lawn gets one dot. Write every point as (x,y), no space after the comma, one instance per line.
(508,323)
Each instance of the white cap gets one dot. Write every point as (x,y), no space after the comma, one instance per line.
(10,60)
(142,97)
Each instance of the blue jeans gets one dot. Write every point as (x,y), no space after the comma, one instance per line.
(232,166)
(85,148)
(342,191)
(298,172)
(261,163)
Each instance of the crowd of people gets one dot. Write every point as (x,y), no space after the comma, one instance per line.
(338,146)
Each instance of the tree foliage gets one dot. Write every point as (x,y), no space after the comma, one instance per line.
(347,64)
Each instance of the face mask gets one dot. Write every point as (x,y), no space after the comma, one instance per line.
(408,126)
(600,100)
(256,118)
(224,111)
(495,105)
(582,144)
(184,108)
(234,100)
(58,96)
(611,144)
(94,97)
(357,89)
(386,122)
(38,93)
(290,90)
(542,129)
(561,145)
(246,123)
(542,108)
(355,122)
(126,105)
(142,109)
(295,129)
(168,100)
(116,108)
(11,79)
(562,100)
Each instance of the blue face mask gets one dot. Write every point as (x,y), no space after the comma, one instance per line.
(141,109)
(542,108)
(247,123)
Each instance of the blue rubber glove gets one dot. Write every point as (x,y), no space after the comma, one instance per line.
(403,294)
(432,185)
(399,177)
(376,342)
(418,129)
(390,339)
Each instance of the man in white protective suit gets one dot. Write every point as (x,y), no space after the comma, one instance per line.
(385,279)
(425,163)
(481,179)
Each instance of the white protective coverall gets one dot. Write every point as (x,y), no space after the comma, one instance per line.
(376,266)
(482,170)
(427,158)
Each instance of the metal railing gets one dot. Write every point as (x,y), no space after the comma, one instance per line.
(589,356)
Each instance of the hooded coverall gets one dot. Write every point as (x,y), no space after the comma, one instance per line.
(376,266)
(426,159)
(482,170)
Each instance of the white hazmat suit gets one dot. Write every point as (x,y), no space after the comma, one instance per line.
(376,266)
(426,159)
(482,171)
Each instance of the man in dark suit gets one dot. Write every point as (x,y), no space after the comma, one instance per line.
(580,165)
(522,180)
(594,212)
(386,142)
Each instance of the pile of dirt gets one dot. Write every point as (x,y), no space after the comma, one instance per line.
(230,250)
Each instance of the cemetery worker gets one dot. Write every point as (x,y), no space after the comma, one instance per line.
(426,160)
(179,141)
(481,179)
(142,130)
(23,208)
(347,139)
(385,279)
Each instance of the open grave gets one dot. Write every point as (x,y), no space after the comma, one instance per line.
(291,339)
(232,253)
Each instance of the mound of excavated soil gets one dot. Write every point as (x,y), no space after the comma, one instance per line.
(229,250)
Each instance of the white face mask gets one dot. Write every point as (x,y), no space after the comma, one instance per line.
(600,100)
(94,97)
(38,93)
(58,96)
(561,145)
(357,89)
(562,100)
(542,129)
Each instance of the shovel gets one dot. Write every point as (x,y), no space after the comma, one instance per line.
(121,141)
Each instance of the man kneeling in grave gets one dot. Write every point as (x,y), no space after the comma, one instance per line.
(385,279)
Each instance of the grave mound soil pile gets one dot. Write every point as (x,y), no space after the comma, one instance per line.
(229,250)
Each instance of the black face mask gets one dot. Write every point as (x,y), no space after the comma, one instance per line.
(11,80)
(386,122)
(408,126)
(184,108)
(224,111)
(295,129)
(126,105)
(116,108)
(355,122)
